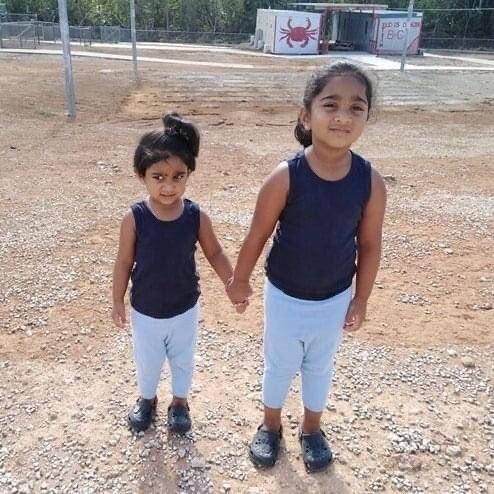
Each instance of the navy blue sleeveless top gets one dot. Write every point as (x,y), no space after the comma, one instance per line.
(314,248)
(165,282)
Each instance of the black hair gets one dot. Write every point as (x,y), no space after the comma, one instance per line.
(179,138)
(318,82)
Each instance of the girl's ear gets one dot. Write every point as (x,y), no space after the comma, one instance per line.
(304,118)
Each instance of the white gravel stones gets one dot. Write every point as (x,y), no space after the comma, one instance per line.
(453,451)
(468,362)
(392,419)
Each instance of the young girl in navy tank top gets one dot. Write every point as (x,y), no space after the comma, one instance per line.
(158,239)
(327,204)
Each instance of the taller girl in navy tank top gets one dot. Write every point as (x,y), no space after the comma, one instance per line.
(327,204)
(321,263)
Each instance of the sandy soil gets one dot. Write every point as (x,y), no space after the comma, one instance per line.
(412,408)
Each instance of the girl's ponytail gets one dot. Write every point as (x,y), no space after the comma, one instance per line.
(302,135)
(178,138)
(176,126)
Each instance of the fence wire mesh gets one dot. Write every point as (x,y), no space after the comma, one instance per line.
(25,31)
(49,31)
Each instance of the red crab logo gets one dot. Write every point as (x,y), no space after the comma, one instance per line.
(298,33)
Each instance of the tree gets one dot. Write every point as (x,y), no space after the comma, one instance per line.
(240,15)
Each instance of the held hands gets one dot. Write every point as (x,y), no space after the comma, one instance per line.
(238,292)
(355,315)
(118,315)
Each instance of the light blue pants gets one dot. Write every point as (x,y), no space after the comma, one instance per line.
(301,335)
(156,340)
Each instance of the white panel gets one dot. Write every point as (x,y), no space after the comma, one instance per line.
(392,32)
(297,33)
(271,22)
(262,24)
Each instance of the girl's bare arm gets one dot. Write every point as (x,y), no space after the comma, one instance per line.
(213,250)
(122,268)
(369,241)
(270,202)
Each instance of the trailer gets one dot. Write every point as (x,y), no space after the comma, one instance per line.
(369,27)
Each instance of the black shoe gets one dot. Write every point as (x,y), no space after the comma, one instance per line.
(179,418)
(265,447)
(142,414)
(316,452)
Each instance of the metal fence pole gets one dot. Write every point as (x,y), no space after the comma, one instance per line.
(67,59)
(133,37)
(407,32)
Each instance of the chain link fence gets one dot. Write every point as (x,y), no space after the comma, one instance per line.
(116,34)
(457,43)
(213,38)
(24,31)
(33,32)
(18,35)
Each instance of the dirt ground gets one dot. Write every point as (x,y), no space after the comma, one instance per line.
(412,407)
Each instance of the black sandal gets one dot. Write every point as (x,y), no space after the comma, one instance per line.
(265,447)
(315,450)
(179,418)
(141,416)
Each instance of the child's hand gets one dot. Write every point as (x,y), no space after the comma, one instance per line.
(355,315)
(118,315)
(239,292)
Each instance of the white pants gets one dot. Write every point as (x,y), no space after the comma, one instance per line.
(155,340)
(301,335)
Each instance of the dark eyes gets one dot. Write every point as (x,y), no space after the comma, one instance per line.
(353,108)
(176,178)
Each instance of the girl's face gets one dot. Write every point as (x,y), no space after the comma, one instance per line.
(165,181)
(338,114)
